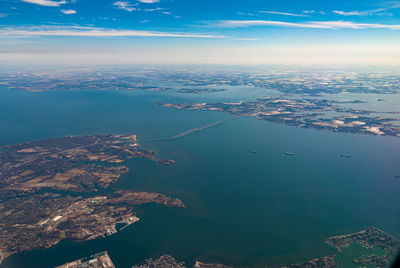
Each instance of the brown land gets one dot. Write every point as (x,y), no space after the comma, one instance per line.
(43,187)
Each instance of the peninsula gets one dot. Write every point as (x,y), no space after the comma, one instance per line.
(306,113)
(370,237)
(50,190)
(99,260)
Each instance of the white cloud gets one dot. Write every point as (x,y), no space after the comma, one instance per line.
(154,9)
(79,31)
(68,11)
(149,1)
(249,23)
(358,13)
(125,6)
(355,25)
(310,24)
(284,13)
(2,15)
(379,11)
(350,13)
(47,3)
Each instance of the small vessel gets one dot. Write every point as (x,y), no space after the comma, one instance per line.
(345,155)
(289,153)
(397,176)
(253,151)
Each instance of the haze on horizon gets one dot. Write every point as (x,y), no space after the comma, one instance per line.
(199,32)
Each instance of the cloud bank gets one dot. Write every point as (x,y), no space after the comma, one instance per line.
(79,31)
(310,24)
(47,3)
(284,13)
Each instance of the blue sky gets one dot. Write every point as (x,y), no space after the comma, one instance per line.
(200,31)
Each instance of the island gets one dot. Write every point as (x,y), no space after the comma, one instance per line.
(59,188)
(313,113)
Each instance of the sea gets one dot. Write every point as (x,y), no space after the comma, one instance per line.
(243,208)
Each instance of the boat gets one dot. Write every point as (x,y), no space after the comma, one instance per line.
(289,153)
(253,151)
(345,155)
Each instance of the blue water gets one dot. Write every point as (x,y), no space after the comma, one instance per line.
(243,208)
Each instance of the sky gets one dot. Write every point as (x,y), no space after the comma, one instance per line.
(199,32)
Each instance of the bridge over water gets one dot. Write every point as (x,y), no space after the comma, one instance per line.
(187,132)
